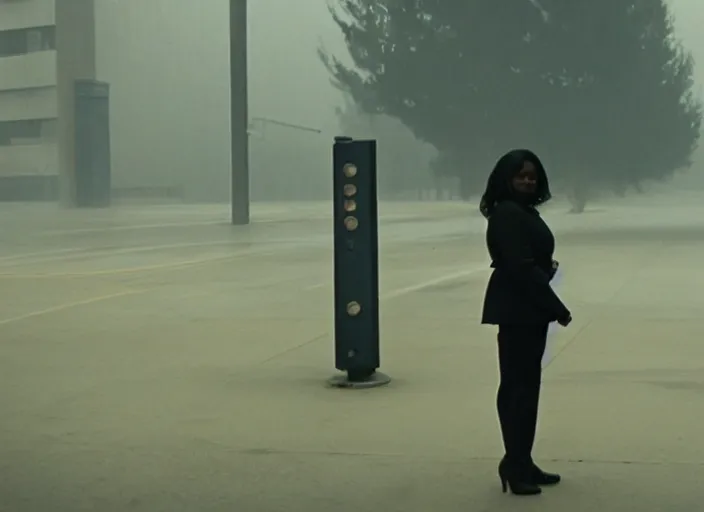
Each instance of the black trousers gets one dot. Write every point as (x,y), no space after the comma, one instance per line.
(521,349)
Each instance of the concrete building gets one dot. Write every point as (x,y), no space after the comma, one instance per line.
(168,69)
(28,100)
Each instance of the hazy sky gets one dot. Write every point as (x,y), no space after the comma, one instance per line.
(170,80)
(285,35)
(689,17)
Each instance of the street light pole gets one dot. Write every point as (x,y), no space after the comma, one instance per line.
(239,143)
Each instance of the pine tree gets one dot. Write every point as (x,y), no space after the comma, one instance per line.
(601,89)
(621,91)
(403,161)
(447,70)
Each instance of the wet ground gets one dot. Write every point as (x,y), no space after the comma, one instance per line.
(159,359)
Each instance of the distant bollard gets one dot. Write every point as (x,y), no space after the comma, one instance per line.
(356,262)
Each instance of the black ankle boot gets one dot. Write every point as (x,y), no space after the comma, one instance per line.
(540,477)
(517,479)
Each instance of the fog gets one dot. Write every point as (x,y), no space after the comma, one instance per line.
(170,99)
(688,14)
(156,357)
(170,96)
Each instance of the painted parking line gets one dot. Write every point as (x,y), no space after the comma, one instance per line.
(69,305)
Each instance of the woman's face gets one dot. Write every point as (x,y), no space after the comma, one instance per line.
(526,180)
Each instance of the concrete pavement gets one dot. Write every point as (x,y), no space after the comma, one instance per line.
(179,365)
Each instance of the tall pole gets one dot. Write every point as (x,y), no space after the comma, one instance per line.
(239,143)
(75,59)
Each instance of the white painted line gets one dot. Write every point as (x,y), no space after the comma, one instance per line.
(432,282)
(69,305)
(317,286)
(415,287)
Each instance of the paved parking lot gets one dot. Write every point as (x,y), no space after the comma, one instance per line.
(159,359)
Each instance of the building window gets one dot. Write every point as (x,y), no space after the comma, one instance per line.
(27,40)
(30,131)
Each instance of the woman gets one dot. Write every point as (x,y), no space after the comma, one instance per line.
(520,300)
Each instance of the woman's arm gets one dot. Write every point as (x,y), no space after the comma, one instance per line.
(507,233)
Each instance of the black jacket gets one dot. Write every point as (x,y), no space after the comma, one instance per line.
(521,247)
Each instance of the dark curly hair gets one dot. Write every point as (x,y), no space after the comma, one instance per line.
(499,187)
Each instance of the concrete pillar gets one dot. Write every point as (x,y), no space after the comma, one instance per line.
(75,59)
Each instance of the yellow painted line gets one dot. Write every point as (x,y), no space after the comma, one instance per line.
(96,252)
(131,227)
(49,253)
(69,305)
(132,270)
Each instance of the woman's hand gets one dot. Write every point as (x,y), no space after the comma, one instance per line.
(553,270)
